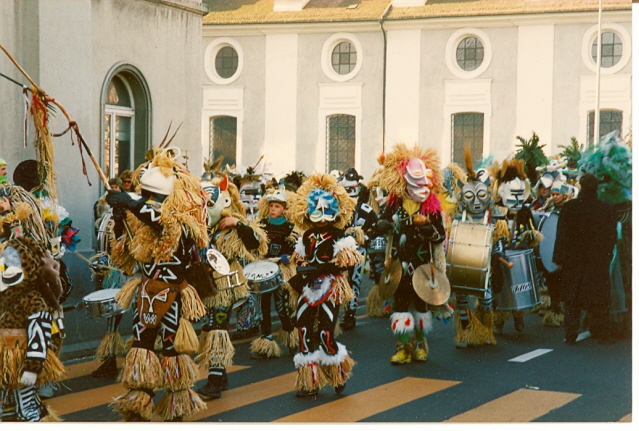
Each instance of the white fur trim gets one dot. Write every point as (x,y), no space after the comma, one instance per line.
(299,247)
(302,359)
(314,295)
(346,243)
(424,321)
(338,358)
(402,323)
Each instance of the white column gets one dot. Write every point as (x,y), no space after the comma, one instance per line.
(402,87)
(280,102)
(535,82)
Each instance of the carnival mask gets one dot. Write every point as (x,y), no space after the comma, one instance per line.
(322,206)
(513,193)
(217,202)
(10,268)
(418,181)
(351,182)
(475,197)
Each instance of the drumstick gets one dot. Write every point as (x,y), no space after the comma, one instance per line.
(89,262)
(505,262)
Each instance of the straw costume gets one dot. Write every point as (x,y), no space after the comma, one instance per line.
(30,289)
(322,209)
(413,221)
(237,243)
(166,224)
(282,237)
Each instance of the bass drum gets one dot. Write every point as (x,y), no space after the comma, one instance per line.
(548,228)
(468,258)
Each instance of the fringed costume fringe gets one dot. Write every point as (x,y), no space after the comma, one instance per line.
(348,257)
(266,347)
(553,318)
(225,296)
(192,306)
(375,304)
(179,404)
(337,375)
(341,291)
(310,377)
(135,402)
(111,345)
(127,292)
(215,349)
(180,372)
(289,339)
(141,370)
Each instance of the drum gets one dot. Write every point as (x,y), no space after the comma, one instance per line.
(521,282)
(377,245)
(101,303)
(548,228)
(105,232)
(468,257)
(263,276)
(538,216)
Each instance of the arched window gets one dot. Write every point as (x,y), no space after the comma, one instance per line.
(609,121)
(468,130)
(125,121)
(341,142)
(223,139)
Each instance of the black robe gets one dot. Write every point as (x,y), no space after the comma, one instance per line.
(586,235)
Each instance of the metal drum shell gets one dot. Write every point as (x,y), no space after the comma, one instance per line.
(263,276)
(102,303)
(548,228)
(521,282)
(468,257)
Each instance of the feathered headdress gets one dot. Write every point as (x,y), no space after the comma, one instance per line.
(321,183)
(391,176)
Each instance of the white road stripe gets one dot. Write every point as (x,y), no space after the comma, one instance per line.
(531,355)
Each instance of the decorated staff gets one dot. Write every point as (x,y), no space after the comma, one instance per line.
(322,209)
(230,239)
(30,290)
(282,237)
(413,221)
(363,220)
(166,226)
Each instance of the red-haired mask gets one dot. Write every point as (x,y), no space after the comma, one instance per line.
(418,181)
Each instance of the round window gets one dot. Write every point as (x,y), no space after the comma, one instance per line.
(226,62)
(344,58)
(470,53)
(611,49)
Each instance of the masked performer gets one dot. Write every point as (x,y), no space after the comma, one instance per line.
(322,208)
(30,290)
(160,236)
(236,240)
(413,219)
(282,237)
(363,219)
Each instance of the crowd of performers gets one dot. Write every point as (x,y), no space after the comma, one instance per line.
(179,250)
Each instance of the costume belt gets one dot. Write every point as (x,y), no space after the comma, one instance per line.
(155,299)
(13,337)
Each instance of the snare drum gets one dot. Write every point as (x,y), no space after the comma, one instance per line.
(521,285)
(101,303)
(468,257)
(548,228)
(263,276)
(105,231)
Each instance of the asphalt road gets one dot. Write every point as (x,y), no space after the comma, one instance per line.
(530,376)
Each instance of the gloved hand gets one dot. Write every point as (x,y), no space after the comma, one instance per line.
(441,311)
(117,199)
(285,259)
(426,232)
(28,378)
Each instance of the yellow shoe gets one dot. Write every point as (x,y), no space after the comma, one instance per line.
(420,355)
(401,356)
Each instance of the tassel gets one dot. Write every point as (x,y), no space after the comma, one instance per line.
(141,370)
(126,293)
(134,402)
(180,372)
(112,344)
(185,338)
(215,349)
(179,404)
(192,306)
(266,347)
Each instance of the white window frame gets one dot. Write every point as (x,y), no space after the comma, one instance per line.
(451,52)
(210,54)
(327,51)
(590,37)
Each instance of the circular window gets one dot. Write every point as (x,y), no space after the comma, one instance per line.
(223,60)
(344,58)
(468,53)
(615,48)
(611,49)
(341,57)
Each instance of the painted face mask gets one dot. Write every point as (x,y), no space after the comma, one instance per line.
(351,182)
(512,194)
(418,181)
(217,202)
(475,197)
(322,206)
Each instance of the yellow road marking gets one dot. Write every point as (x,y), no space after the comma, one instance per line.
(364,404)
(627,418)
(245,395)
(74,402)
(523,405)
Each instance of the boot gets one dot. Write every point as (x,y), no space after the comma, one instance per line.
(519,321)
(340,388)
(306,393)
(108,368)
(421,352)
(402,355)
(212,389)
(225,380)
(349,322)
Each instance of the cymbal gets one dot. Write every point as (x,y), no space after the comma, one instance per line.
(433,291)
(389,281)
